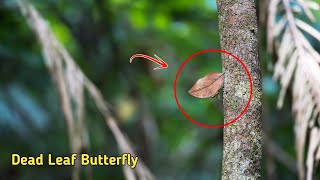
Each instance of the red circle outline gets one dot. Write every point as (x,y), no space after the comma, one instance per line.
(175,89)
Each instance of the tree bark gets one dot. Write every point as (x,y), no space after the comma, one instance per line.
(242,147)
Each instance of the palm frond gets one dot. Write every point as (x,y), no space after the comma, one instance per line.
(71,83)
(299,61)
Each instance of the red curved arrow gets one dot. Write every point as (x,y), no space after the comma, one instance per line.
(158,60)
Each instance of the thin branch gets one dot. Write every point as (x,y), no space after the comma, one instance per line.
(280,155)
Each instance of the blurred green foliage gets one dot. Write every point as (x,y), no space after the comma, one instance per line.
(102,35)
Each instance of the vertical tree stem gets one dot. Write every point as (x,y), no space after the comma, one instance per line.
(242,148)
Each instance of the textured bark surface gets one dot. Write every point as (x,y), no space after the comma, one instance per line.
(242,149)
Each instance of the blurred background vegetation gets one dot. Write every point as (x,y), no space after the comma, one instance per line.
(102,35)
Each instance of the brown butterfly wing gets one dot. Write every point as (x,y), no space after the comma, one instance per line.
(207,86)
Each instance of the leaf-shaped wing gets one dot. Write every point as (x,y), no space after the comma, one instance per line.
(207,86)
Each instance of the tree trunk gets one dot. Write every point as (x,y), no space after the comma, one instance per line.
(242,148)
